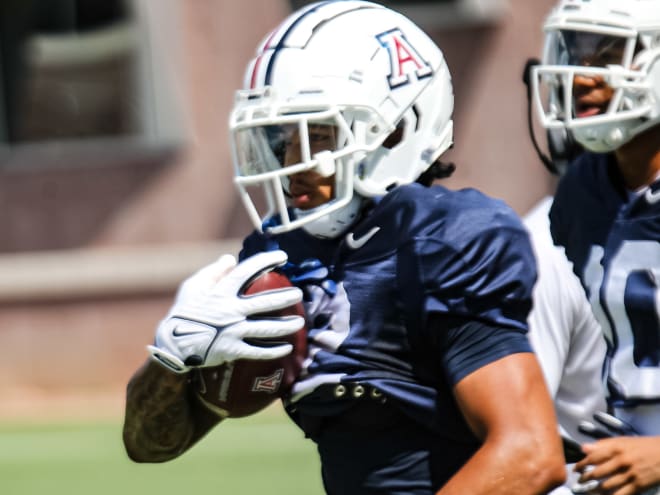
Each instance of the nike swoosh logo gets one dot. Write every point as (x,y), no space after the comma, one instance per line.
(354,243)
(178,333)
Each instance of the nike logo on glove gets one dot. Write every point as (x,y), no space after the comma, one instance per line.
(178,333)
(354,243)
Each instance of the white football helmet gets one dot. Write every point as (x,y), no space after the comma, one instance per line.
(360,68)
(613,39)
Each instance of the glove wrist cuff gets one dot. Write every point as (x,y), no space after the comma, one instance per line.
(167,360)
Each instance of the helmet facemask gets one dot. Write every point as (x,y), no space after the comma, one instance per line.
(272,142)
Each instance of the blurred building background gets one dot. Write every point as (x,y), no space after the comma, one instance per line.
(115,172)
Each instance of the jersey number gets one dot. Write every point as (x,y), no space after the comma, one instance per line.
(629,292)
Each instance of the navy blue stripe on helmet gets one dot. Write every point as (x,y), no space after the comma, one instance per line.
(280,44)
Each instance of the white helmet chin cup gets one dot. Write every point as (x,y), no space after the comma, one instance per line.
(358,70)
(602,138)
(618,42)
(335,223)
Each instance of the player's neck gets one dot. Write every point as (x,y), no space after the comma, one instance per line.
(639,160)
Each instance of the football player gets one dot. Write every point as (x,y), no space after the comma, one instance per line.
(599,82)
(420,377)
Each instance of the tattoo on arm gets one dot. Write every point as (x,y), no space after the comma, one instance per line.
(162,418)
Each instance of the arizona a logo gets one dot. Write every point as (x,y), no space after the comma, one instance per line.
(404,58)
(269,384)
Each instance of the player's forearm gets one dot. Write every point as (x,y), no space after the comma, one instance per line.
(158,422)
(521,450)
(504,467)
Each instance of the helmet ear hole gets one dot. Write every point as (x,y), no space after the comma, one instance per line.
(396,136)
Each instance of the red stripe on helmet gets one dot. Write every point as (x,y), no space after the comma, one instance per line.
(257,62)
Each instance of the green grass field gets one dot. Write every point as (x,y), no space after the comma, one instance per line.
(264,453)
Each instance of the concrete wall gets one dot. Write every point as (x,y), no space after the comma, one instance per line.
(139,226)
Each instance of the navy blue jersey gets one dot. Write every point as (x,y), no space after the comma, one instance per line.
(423,262)
(615,245)
(586,203)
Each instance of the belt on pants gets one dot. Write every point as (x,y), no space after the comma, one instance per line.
(347,391)
(344,405)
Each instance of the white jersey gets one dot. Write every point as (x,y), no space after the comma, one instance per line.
(564,333)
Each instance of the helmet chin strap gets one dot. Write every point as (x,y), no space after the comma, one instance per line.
(334,223)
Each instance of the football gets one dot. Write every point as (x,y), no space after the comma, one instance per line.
(244,387)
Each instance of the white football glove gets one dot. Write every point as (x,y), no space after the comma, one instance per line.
(209,319)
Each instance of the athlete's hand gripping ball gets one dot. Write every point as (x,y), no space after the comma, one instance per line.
(210,319)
